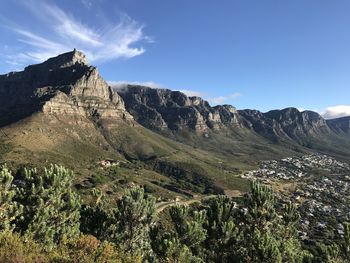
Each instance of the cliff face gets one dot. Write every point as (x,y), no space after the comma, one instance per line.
(256,121)
(161,109)
(298,124)
(62,85)
(289,123)
(166,110)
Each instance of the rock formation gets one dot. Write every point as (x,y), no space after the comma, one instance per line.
(166,110)
(289,122)
(162,109)
(62,85)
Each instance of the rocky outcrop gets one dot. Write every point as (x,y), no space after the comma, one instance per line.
(62,85)
(162,109)
(340,125)
(286,123)
(299,124)
(262,125)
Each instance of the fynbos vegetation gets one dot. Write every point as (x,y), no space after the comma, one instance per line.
(44,220)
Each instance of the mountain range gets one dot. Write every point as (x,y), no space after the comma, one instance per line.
(63,111)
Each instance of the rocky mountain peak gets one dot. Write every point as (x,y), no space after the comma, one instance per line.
(62,85)
(288,122)
(64,60)
(70,58)
(78,57)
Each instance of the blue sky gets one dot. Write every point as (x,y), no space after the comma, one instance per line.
(265,55)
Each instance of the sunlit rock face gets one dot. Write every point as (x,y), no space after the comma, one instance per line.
(285,123)
(62,85)
(162,109)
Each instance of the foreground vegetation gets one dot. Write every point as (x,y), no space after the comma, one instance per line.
(42,219)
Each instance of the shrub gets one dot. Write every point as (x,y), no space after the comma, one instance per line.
(13,249)
(51,207)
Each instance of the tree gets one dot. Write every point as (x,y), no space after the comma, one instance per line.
(222,232)
(51,207)
(131,221)
(9,209)
(330,253)
(345,244)
(290,245)
(169,248)
(189,228)
(269,235)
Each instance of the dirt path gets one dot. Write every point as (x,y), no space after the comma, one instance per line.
(162,205)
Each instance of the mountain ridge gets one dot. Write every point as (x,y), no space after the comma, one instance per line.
(63,111)
(65,84)
(160,105)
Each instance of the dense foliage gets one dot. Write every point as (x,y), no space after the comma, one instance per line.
(9,209)
(42,219)
(51,207)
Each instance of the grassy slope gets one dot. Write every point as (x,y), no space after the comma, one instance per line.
(337,145)
(78,144)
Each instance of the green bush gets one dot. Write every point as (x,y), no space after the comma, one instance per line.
(51,209)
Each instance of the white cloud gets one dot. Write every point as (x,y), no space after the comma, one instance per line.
(120,85)
(192,93)
(149,84)
(304,109)
(86,3)
(223,99)
(43,48)
(336,111)
(67,27)
(111,41)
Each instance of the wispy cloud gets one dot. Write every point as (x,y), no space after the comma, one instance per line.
(87,3)
(223,99)
(67,27)
(120,85)
(193,93)
(336,111)
(42,48)
(305,109)
(65,32)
